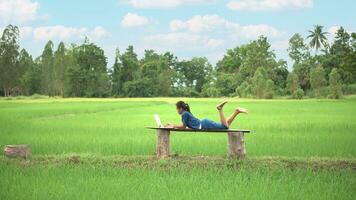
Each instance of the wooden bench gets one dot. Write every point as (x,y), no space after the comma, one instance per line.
(236,142)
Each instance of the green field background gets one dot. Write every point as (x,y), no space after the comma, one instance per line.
(116,151)
(320,128)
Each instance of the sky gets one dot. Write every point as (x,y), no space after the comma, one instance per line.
(186,28)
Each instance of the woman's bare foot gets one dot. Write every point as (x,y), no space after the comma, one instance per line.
(242,110)
(221,105)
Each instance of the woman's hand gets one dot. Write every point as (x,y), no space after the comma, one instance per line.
(169,125)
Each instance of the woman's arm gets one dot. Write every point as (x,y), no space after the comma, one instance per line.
(175,126)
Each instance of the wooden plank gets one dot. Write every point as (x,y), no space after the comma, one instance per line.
(203,130)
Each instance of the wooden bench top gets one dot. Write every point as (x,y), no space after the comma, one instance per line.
(203,130)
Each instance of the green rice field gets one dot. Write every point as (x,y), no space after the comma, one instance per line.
(100,149)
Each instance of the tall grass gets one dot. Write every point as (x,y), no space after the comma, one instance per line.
(106,182)
(106,127)
(320,128)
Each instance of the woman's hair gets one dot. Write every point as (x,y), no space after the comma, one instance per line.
(183,105)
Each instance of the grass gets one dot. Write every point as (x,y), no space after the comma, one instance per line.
(298,150)
(319,128)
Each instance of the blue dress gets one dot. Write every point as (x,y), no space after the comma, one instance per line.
(192,122)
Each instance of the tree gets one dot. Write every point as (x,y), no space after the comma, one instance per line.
(262,86)
(279,74)
(195,72)
(293,86)
(335,85)
(244,90)
(318,38)
(226,83)
(298,50)
(30,74)
(292,83)
(156,70)
(130,65)
(231,61)
(116,75)
(9,53)
(87,74)
(92,62)
(257,54)
(302,70)
(269,90)
(47,69)
(342,56)
(60,65)
(317,80)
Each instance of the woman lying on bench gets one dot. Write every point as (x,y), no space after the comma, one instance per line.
(192,122)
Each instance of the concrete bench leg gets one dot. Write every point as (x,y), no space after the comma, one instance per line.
(236,144)
(162,146)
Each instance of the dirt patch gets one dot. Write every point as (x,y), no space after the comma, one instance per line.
(187,162)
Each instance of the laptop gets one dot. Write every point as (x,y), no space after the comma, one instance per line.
(158,121)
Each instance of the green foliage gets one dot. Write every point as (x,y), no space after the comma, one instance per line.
(349,89)
(298,94)
(262,86)
(244,90)
(302,70)
(298,50)
(318,38)
(87,73)
(47,69)
(210,91)
(30,78)
(317,80)
(9,53)
(269,91)
(335,85)
(292,83)
(226,83)
(248,70)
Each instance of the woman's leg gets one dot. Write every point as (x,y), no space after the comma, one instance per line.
(221,113)
(234,114)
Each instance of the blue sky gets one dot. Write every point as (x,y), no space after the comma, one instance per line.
(185,27)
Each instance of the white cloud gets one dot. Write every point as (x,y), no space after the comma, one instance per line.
(199,23)
(98,33)
(18,11)
(213,43)
(211,35)
(163,3)
(172,41)
(57,32)
(64,33)
(132,19)
(25,32)
(215,23)
(256,5)
(253,31)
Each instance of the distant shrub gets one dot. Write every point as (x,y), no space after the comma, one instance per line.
(298,94)
(349,89)
(210,91)
(20,97)
(269,91)
(244,90)
(38,96)
(335,85)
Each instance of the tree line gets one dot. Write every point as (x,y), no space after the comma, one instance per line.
(320,69)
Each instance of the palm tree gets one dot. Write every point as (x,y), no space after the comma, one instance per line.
(318,38)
